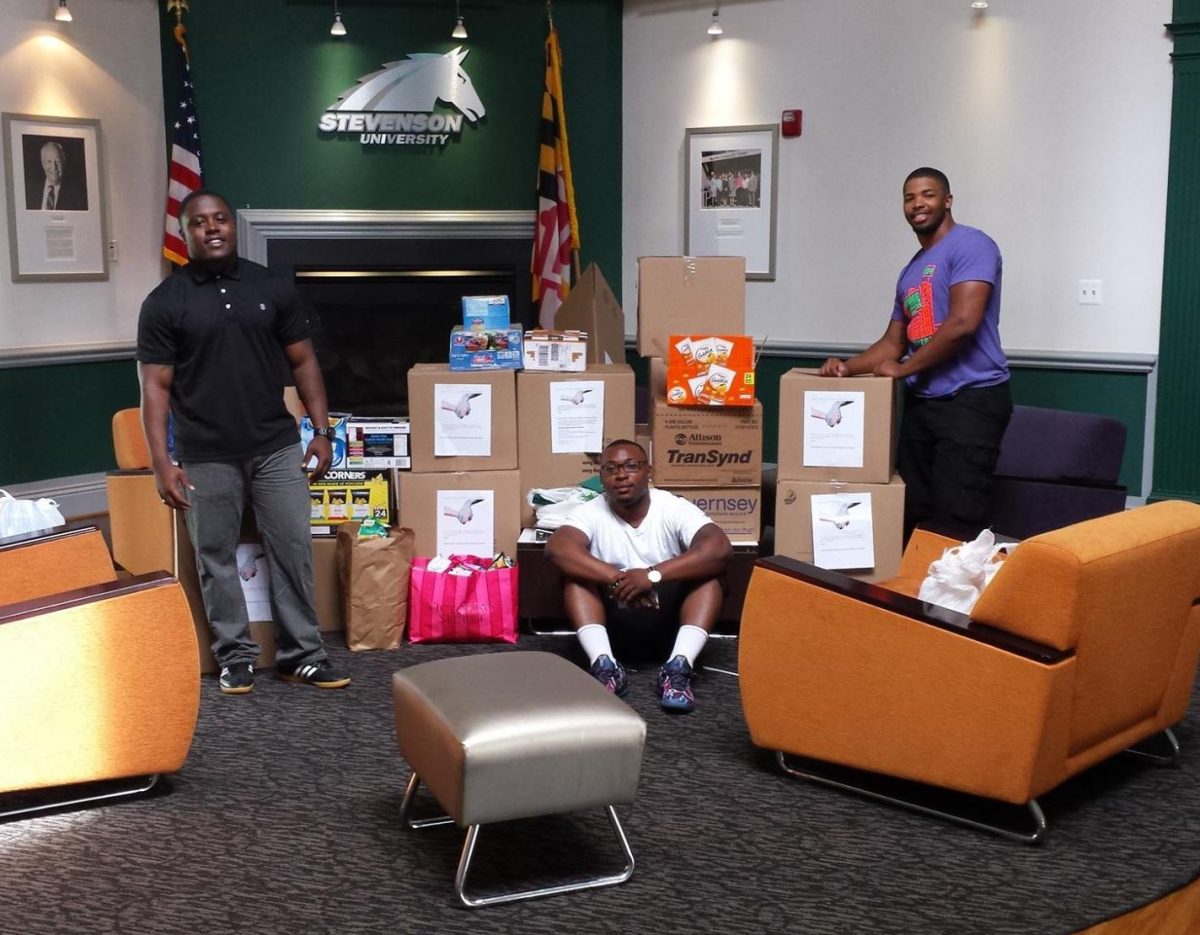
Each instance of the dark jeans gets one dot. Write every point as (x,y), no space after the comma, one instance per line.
(947,455)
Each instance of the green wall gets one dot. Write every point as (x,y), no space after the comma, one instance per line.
(60,418)
(264,72)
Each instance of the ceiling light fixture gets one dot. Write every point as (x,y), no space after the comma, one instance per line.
(338,28)
(714,28)
(459,31)
(62,14)
(979,4)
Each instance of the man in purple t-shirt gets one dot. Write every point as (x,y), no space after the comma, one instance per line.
(944,342)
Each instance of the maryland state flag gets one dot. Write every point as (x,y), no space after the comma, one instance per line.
(184,175)
(557,233)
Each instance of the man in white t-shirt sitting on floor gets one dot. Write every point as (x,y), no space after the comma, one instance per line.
(646,563)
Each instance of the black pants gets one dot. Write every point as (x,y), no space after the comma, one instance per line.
(947,455)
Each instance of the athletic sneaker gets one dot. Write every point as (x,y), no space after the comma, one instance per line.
(237,678)
(611,674)
(322,674)
(675,683)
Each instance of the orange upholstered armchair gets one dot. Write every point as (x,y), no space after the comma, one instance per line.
(1084,644)
(109,678)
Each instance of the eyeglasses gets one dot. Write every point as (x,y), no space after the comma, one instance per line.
(611,468)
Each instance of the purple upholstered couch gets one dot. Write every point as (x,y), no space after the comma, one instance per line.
(1056,467)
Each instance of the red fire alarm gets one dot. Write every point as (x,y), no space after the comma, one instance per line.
(791,122)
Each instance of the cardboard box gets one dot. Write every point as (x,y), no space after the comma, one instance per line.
(836,428)
(498,434)
(420,495)
(540,465)
(682,294)
(706,446)
(485,312)
(342,496)
(591,306)
(710,370)
(737,510)
(378,444)
(555,350)
(793,522)
(497,349)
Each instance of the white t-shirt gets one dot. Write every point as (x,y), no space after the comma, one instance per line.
(666,531)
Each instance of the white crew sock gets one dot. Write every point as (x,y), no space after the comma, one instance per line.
(593,637)
(689,642)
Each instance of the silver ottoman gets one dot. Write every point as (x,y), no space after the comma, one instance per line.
(511,735)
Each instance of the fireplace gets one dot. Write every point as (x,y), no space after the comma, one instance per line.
(384,288)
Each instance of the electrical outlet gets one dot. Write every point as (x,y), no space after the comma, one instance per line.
(114,252)
(1089,292)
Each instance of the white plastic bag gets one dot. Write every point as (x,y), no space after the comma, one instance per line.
(21,516)
(958,578)
(554,504)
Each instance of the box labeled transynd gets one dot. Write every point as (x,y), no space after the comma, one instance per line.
(548,412)
(591,306)
(485,312)
(462,421)
(453,507)
(737,510)
(710,370)
(836,428)
(378,444)
(495,349)
(682,294)
(709,446)
(842,517)
(555,350)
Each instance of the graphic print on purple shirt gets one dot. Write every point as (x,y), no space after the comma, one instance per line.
(964,254)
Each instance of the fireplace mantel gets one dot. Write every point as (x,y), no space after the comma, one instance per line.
(258,227)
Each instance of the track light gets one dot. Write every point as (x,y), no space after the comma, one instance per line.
(338,28)
(62,14)
(714,28)
(460,31)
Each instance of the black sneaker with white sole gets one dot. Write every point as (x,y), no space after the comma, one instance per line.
(237,678)
(322,674)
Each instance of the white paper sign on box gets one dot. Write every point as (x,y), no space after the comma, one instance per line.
(843,530)
(462,422)
(833,428)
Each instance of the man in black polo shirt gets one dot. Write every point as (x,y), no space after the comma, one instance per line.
(215,343)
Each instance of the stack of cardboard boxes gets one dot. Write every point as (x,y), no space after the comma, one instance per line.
(709,454)
(838,503)
(482,439)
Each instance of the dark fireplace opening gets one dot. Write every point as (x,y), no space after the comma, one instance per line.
(371,326)
(379,306)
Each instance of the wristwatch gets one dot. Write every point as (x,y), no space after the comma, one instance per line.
(328,432)
(653,575)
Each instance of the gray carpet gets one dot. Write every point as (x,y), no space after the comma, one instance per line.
(284,820)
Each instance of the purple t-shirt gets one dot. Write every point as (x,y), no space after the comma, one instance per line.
(964,254)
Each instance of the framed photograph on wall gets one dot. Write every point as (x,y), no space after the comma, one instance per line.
(55,186)
(730,191)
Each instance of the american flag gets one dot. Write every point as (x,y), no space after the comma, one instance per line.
(557,232)
(185,174)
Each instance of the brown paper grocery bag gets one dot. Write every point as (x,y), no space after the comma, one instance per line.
(374,574)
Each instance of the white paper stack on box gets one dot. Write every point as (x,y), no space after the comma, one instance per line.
(838,502)
(710,455)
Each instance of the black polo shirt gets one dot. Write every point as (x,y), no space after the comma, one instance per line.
(224,334)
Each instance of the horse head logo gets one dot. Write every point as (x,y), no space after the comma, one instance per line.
(416,83)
